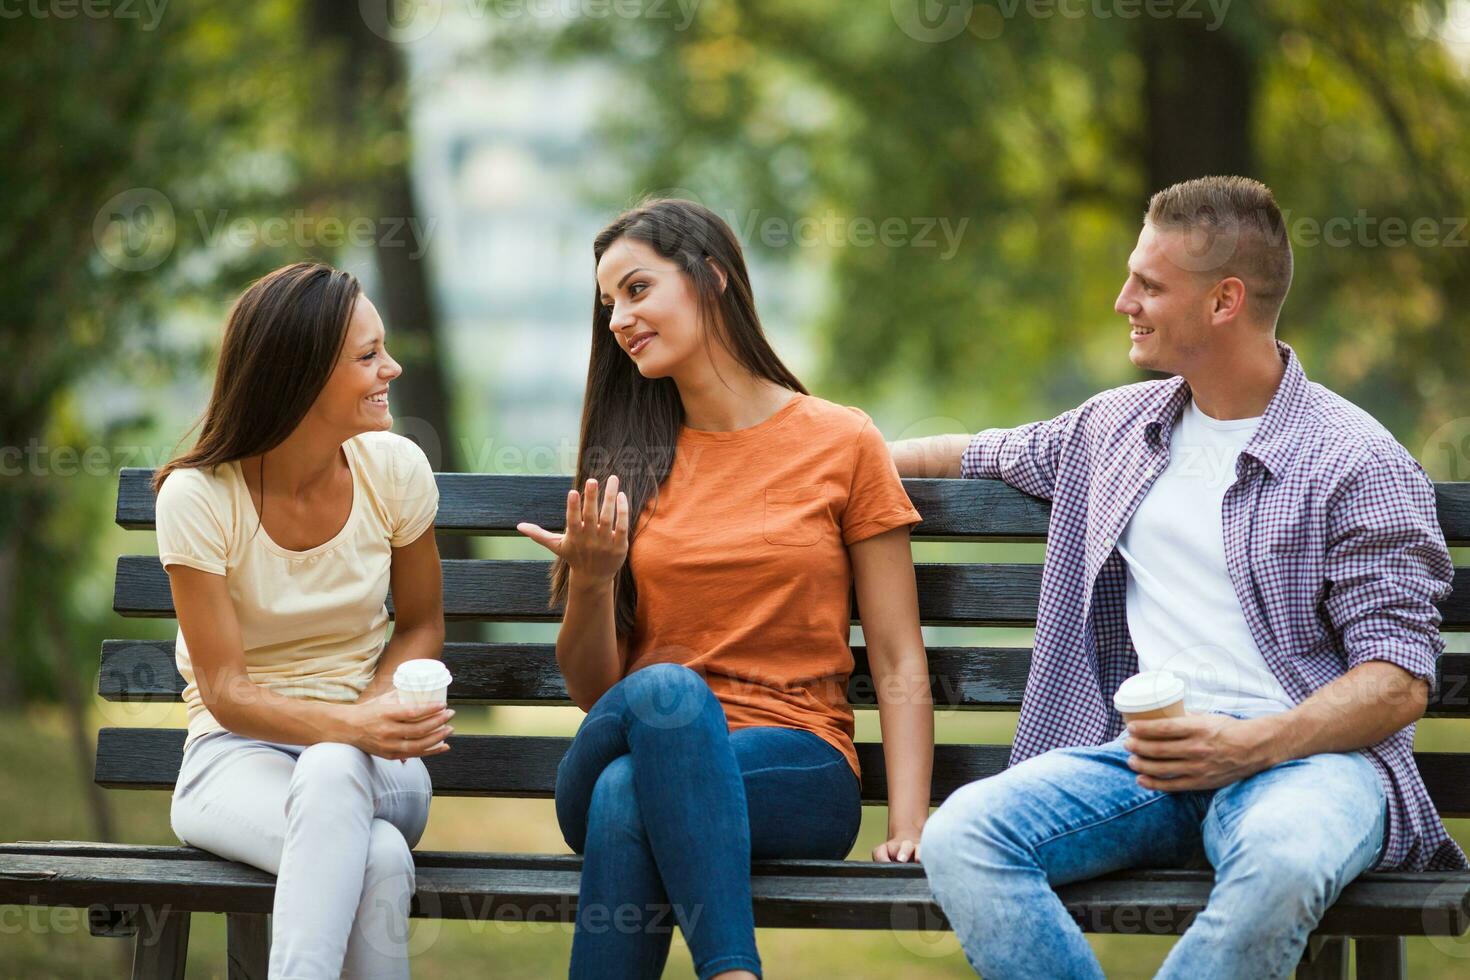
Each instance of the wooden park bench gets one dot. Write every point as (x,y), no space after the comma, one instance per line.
(149,892)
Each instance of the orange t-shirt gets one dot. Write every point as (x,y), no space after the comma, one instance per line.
(742,567)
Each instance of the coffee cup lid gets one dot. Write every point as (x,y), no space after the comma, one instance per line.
(1148,691)
(421,675)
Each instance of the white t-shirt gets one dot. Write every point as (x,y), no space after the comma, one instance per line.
(313,623)
(1183,613)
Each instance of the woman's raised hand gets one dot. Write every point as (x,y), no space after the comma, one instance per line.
(595,543)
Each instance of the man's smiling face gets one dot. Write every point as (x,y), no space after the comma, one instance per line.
(1167,303)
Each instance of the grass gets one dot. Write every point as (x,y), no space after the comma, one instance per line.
(42,798)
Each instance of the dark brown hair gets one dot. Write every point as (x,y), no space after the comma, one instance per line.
(630,424)
(1245,235)
(282,341)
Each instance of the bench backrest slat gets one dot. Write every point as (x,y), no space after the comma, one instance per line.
(525,765)
(508,590)
(963,678)
(953,510)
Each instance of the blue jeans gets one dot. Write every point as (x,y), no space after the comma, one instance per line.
(1283,844)
(668,806)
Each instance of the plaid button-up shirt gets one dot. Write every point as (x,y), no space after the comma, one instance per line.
(1332,543)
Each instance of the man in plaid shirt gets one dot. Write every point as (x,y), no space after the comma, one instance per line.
(1253,533)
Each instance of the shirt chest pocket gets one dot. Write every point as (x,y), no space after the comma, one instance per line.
(795,516)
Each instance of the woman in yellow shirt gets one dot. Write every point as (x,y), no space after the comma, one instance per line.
(281,531)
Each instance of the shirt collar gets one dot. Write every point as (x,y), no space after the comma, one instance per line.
(1271,444)
(1161,422)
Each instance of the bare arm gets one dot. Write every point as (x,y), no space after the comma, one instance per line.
(586,646)
(1026,457)
(417,580)
(216,651)
(212,632)
(595,545)
(932,456)
(1361,708)
(883,572)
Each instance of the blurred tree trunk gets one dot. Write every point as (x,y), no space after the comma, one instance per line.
(25,507)
(12,539)
(9,678)
(1199,93)
(79,728)
(370,84)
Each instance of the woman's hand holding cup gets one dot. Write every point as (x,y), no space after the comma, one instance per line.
(595,542)
(390,730)
(412,719)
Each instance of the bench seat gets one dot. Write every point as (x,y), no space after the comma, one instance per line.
(788,894)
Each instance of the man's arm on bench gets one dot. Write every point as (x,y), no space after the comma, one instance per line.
(1025,457)
(932,456)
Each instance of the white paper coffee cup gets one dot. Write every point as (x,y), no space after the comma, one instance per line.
(1150,694)
(422,682)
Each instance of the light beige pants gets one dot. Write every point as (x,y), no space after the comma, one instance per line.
(334,825)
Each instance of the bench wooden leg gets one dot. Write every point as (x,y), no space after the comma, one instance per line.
(1382,959)
(162,944)
(249,942)
(1325,958)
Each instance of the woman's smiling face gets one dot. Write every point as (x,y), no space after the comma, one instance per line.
(355,397)
(653,307)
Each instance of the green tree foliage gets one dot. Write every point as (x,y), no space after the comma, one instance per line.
(1048,132)
(140,156)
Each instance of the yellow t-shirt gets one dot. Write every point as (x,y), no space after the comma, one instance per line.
(313,623)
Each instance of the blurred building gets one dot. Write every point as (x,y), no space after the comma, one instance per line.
(508,166)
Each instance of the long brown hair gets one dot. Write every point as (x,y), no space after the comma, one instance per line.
(630,424)
(281,343)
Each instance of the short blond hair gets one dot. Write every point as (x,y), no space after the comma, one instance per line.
(1244,233)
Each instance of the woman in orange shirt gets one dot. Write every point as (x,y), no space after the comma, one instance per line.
(708,641)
